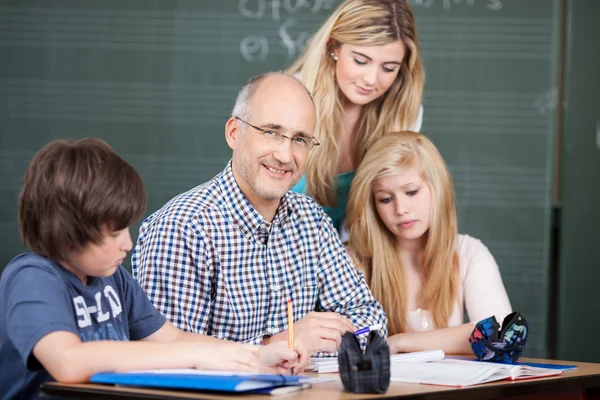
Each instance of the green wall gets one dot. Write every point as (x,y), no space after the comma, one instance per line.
(579,268)
(157,80)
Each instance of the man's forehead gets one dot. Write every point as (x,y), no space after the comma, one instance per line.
(274,102)
(281,86)
(283,101)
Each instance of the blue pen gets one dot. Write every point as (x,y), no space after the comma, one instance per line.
(368,329)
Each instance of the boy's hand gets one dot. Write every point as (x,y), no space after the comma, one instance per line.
(277,358)
(229,356)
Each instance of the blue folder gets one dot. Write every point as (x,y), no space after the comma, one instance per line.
(561,367)
(222,383)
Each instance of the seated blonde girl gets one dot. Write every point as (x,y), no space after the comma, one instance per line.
(403,236)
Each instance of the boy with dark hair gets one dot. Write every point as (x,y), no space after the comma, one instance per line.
(69,309)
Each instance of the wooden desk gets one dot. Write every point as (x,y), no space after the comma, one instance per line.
(585,378)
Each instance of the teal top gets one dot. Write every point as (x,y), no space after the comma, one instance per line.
(337,213)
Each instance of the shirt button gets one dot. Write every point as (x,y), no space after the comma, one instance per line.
(425,324)
(275,288)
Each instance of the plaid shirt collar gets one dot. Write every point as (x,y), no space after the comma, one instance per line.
(244,215)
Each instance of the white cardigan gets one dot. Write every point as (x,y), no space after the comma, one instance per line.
(481,291)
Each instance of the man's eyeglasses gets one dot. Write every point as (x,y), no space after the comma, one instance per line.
(300,142)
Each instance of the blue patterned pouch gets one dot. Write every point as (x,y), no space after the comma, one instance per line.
(490,342)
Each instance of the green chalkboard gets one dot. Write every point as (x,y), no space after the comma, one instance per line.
(579,267)
(157,80)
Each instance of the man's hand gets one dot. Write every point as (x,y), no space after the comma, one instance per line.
(318,331)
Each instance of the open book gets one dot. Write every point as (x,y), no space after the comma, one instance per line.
(452,372)
(330,364)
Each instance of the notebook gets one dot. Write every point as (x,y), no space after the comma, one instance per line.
(191,379)
(329,364)
(451,372)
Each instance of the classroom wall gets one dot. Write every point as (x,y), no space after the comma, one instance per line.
(579,255)
(157,80)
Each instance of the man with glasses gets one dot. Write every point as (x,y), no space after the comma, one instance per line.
(224,258)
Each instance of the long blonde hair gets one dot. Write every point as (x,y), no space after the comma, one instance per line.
(362,23)
(373,246)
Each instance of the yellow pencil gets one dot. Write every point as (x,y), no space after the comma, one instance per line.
(290,329)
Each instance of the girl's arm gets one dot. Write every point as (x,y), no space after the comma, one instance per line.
(484,291)
(453,340)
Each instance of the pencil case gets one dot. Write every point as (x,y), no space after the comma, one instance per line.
(368,372)
(492,342)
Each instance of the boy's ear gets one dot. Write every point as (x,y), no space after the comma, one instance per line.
(232,131)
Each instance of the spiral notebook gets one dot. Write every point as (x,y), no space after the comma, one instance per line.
(330,364)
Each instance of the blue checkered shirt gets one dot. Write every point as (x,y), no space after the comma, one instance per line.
(212,264)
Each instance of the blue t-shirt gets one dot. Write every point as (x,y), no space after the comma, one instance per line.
(337,213)
(39,296)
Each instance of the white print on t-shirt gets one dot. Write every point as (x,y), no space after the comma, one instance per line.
(84,313)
